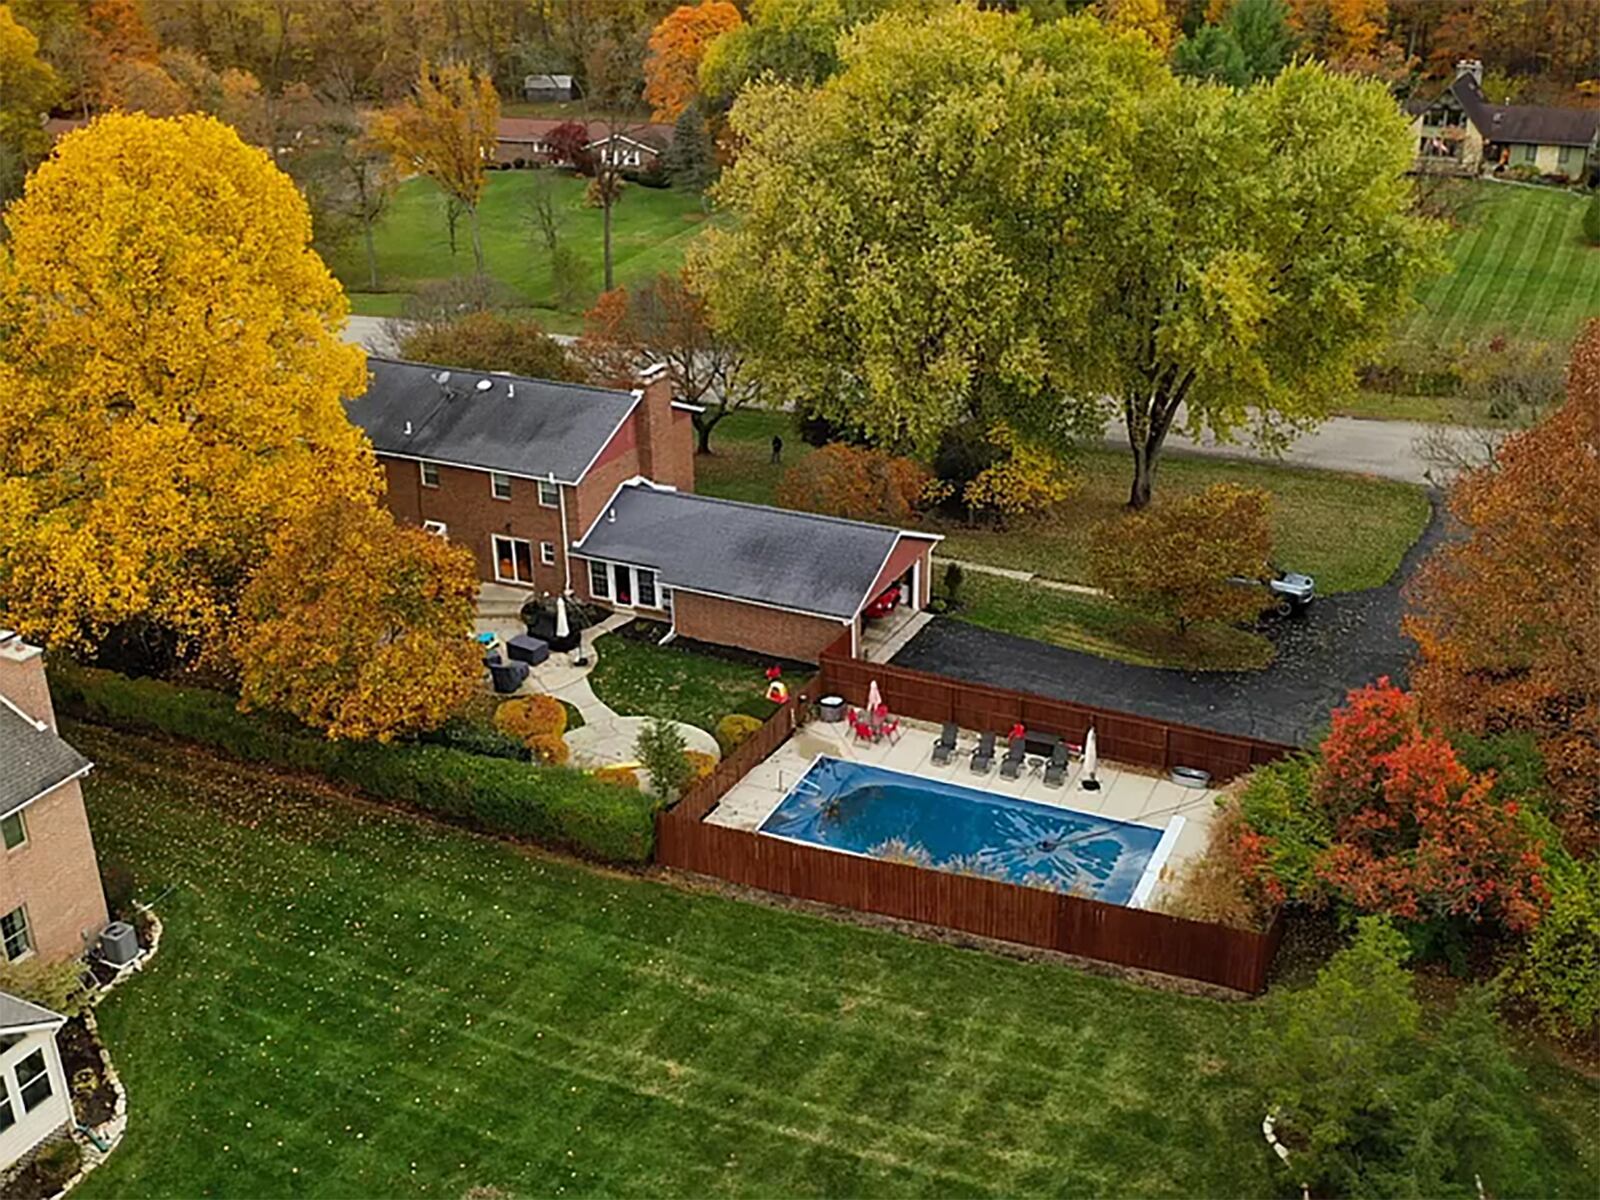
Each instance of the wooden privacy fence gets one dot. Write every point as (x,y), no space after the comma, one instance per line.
(1120,737)
(1128,937)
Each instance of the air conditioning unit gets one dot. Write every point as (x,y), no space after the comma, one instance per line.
(119,944)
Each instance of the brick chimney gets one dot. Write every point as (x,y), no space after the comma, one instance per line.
(22,678)
(666,436)
(1470,66)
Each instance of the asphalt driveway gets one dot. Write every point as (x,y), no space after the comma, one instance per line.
(1345,641)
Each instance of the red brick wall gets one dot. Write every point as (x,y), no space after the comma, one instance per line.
(55,874)
(471,513)
(764,630)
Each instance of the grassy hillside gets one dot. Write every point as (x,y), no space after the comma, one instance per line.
(651,229)
(1521,267)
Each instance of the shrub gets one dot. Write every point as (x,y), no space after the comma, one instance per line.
(625,777)
(700,763)
(1022,481)
(549,749)
(529,717)
(953,578)
(490,341)
(1591,220)
(1559,970)
(851,481)
(53,985)
(55,1164)
(734,730)
(552,805)
(661,751)
(1217,887)
(474,737)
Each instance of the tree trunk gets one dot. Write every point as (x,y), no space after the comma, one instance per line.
(477,239)
(1149,418)
(1144,470)
(372,255)
(606,208)
(703,429)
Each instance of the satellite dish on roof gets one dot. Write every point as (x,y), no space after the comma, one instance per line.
(485,384)
(442,378)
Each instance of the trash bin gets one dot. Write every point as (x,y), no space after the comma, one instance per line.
(831,708)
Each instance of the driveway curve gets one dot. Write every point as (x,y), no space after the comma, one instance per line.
(1345,641)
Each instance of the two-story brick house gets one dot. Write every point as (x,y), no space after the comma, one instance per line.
(51,902)
(566,489)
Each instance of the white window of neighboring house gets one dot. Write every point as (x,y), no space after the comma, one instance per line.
(630,157)
(15,939)
(437,528)
(549,494)
(547,553)
(599,580)
(499,485)
(33,1080)
(430,474)
(14,830)
(513,559)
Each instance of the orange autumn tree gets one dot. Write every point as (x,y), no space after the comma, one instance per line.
(677,44)
(1507,618)
(852,481)
(171,383)
(358,626)
(1413,833)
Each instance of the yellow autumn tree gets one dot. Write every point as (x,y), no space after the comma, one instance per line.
(677,44)
(1148,18)
(445,130)
(171,378)
(358,626)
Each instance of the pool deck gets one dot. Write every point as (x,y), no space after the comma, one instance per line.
(1125,794)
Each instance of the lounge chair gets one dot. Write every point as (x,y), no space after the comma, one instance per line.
(946,745)
(1011,765)
(1055,772)
(983,756)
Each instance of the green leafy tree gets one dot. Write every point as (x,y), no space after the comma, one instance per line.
(1212,53)
(28,87)
(490,341)
(1591,220)
(795,41)
(660,749)
(980,216)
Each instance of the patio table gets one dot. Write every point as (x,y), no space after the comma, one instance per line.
(530,650)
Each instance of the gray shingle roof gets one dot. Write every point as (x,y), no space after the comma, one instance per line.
(518,426)
(32,760)
(815,564)
(1538,124)
(15,1012)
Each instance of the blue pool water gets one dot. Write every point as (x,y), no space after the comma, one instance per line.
(882,813)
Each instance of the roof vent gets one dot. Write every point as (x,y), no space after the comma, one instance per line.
(408,428)
(511,391)
(611,516)
(485,384)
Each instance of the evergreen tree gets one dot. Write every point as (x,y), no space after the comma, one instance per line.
(691,160)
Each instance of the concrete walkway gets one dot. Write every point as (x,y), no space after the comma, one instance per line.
(1058,585)
(606,738)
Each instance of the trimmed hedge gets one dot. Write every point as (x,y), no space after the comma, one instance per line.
(544,804)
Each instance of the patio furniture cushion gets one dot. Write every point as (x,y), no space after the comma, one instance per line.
(525,649)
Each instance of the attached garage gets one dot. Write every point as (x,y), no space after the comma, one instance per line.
(765,579)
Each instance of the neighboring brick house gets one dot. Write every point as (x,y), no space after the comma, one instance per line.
(1460,131)
(51,902)
(566,489)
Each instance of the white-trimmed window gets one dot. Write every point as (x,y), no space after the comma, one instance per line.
(14,830)
(16,939)
(547,553)
(549,494)
(625,586)
(33,1080)
(599,580)
(513,559)
(430,474)
(8,1115)
(499,485)
(437,528)
(644,588)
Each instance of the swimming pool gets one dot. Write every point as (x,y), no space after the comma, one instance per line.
(888,814)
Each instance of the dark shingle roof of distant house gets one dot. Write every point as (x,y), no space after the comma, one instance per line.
(32,760)
(815,564)
(15,1013)
(1522,123)
(529,427)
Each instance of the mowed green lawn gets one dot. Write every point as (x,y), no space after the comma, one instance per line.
(651,227)
(348,1002)
(1520,267)
(639,678)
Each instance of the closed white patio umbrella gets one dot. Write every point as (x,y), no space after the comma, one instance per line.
(874,697)
(563,630)
(1091,760)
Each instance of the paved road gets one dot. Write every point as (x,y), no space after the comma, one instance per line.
(1343,642)
(371,333)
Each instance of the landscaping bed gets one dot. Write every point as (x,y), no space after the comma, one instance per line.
(373,1004)
(94,1100)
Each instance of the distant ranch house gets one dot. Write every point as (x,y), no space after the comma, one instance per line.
(1460,131)
(547,87)
(565,489)
(525,142)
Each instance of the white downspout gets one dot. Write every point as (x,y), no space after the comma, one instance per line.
(566,560)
